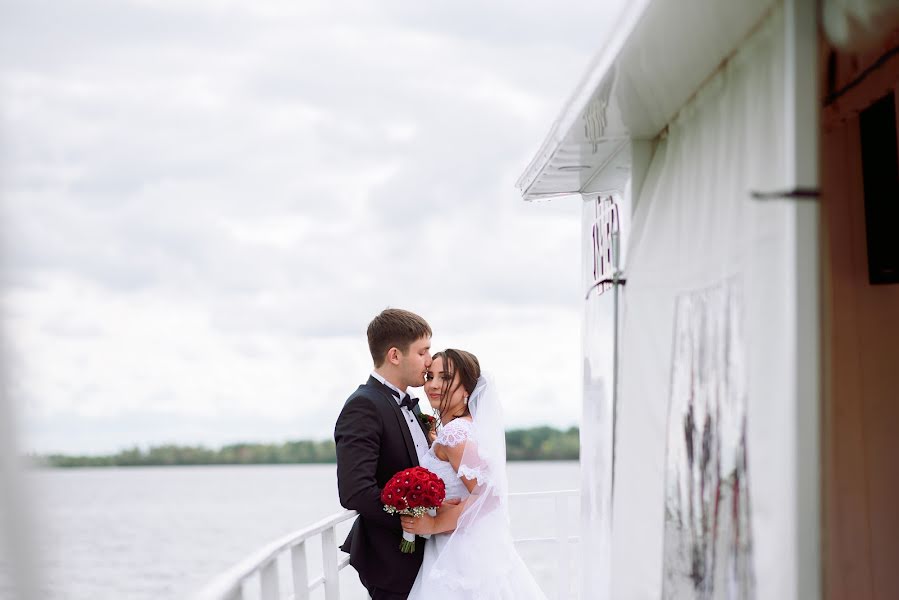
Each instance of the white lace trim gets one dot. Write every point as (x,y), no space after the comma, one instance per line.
(473,473)
(455,433)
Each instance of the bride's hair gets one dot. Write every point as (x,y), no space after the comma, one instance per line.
(462,363)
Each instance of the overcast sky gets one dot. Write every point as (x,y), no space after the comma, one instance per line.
(205,202)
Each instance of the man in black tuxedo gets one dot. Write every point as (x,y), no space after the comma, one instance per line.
(378,434)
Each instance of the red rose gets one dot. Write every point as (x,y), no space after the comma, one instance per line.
(412,488)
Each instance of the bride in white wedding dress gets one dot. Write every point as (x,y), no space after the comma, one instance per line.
(470,554)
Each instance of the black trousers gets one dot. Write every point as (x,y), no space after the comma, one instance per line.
(380,594)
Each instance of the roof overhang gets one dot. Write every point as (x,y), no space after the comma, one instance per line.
(656,58)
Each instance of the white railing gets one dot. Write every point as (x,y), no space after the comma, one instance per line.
(263,564)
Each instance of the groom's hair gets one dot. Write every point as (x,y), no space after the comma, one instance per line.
(394,328)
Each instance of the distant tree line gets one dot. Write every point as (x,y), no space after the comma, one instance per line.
(540,443)
(543,443)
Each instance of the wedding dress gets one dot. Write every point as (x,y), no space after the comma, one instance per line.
(476,561)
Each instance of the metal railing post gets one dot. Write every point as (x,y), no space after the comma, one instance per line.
(299,571)
(562,539)
(237,594)
(269,581)
(329,564)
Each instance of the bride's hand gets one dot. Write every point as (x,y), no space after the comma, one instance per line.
(423,525)
(448,503)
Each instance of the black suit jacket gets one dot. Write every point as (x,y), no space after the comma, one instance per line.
(373,444)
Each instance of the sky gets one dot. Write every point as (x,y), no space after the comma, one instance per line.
(204,203)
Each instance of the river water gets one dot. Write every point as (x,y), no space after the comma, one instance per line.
(161,532)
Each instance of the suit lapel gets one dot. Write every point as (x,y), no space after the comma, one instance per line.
(400,419)
(417,412)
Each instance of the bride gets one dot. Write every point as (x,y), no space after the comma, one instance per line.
(470,554)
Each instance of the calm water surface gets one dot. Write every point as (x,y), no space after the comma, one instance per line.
(161,532)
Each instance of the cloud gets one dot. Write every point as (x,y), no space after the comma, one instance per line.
(205,203)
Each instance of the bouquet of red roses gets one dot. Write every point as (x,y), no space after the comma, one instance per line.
(412,492)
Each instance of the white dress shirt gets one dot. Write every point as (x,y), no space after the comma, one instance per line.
(418,436)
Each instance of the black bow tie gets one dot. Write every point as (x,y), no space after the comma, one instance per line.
(409,402)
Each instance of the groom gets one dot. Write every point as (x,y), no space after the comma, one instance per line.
(378,434)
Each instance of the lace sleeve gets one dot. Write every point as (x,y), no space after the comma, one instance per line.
(473,473)
(456,432)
